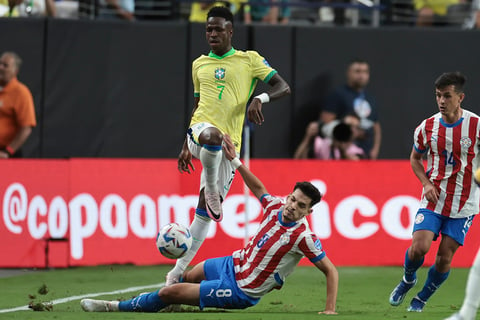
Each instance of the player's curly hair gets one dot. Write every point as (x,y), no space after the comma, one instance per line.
(310,191)
(221,12)
(451,78)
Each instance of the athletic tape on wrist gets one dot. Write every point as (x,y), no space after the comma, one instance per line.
(263,97)
(236,163)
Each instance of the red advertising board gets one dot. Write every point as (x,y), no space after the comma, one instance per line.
(105,211)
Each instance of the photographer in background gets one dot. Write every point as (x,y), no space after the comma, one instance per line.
(334,144)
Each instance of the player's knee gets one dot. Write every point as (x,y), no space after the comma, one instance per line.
(168,294)
(418,250)
(211,136)
(194,275)
(442,262)
(188,276)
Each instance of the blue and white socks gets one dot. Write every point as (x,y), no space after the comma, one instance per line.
(147,302)
(433,282)
(410,268)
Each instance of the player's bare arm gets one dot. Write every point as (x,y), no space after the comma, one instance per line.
(279,88)
(185,156)
(253,183)
(331,273)
(416,161)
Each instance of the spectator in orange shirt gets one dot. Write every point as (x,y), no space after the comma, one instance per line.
(17,113)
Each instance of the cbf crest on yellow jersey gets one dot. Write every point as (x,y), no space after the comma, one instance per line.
(224,85)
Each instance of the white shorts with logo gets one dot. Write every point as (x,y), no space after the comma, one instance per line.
(226,172)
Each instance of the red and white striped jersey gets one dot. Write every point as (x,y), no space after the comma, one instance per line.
(453,157)
(274,251)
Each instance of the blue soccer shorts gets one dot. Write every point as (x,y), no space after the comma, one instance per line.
(454,228)
(220,288)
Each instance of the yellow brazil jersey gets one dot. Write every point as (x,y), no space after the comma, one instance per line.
(439,7)
(224,85)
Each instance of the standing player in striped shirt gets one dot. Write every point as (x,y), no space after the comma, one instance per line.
(450,199)
(240,280)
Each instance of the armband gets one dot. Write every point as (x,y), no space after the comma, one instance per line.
(263,97)
(236,163)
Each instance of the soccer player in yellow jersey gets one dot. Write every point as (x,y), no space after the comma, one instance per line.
(224,81)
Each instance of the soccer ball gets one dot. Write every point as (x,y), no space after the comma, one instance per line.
(174,240)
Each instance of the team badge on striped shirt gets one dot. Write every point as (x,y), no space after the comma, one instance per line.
(465,142)
(285,239)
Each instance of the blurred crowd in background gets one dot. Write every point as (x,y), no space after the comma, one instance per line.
(419,13)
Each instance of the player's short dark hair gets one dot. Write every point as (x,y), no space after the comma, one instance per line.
(310,191)
(220,12)
(451,78)
(342,132)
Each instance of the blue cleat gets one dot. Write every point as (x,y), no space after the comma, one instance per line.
(398,294)
(416,305)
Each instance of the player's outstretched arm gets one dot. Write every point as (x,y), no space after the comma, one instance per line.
(279,88)
(253,183)
(331,273)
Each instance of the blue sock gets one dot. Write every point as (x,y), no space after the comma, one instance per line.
(148,302)
(201,212)
(411,267)
(433,282)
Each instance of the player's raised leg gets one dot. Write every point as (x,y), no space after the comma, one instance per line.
(211,155)
(200,225)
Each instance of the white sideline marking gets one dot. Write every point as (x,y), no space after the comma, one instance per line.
(88,295)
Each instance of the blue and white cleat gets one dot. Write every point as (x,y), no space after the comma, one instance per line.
(416,305)
(398,294)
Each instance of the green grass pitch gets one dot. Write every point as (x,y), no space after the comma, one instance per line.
(363,294)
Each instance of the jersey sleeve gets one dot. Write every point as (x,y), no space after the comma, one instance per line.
(419,138)
(261,69)
(311,247)
(196,83)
